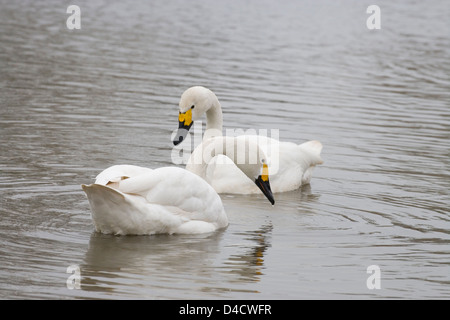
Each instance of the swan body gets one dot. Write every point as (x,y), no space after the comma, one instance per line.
(225,177)
(132,200)
(291,165)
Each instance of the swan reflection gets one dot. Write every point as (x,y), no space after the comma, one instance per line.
(156,264)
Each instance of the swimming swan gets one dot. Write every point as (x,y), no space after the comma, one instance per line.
(132,200)
(290,165)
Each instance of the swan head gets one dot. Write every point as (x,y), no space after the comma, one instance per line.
(259,174)
(247,156)
(194,102)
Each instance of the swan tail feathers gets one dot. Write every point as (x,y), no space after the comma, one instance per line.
(109,208)
(313,148)
(105,192)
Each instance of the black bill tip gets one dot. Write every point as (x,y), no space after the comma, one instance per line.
(264,186)
(181,134)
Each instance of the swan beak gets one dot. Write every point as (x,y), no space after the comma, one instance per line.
(263,183)
(184,124)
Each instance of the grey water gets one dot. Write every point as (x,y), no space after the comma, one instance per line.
(74,102)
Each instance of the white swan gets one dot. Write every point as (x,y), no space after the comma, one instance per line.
(128,199)
(291,165)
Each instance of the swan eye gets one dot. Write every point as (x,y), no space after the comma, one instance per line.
(192,107)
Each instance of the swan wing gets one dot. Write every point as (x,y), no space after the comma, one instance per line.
(172,186)
(117,173)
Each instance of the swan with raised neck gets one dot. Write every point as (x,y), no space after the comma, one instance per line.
(290,164)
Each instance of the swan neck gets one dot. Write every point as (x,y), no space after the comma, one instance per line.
(214,121)
(241,152)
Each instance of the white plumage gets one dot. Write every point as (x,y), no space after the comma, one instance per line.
(290,165)
(132,200)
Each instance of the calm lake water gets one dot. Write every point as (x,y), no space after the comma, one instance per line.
(74,102)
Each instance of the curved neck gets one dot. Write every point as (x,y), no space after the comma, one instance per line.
(241,151)
(214,121)
(200,158)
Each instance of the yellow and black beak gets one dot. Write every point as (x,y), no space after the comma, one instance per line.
(184,124)
(263,184)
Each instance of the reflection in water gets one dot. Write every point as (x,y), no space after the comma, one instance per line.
(165,258)
(249,265)
(167,261)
